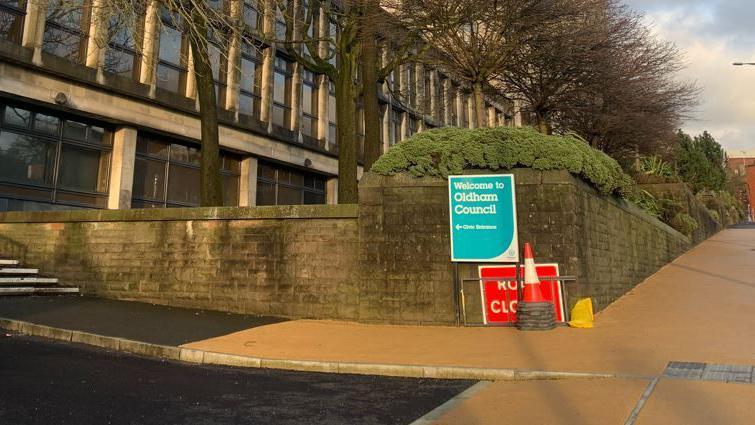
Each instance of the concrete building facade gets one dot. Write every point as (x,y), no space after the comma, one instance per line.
(89,126)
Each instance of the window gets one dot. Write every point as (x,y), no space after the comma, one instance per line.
(282,93)
(395,126)
(464,113)
(453,97)
(279,185)
(12,13)
(171,65)
(410,85)
(66,29)
(120,56)
(166,174)
(50,162)
(217,66)
(309,105)
(332,115)
(280,25)
(333,34)
(427,108)
(249,81)
(411,125)
(442,94)
(251,15)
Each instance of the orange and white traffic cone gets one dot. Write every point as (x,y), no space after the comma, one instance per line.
(531,292)
(534,312)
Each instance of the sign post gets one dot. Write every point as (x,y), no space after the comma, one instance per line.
(483,218)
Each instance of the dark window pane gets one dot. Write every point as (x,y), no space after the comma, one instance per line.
(183,184)
(83,169)
(100,136)
(170,45)
(289,195)
(333,134)
(145,204)
(11,26)
(248,105)
(280,116)
(168,78)
(230,191)
(149,179)
(230,163)
(17,116)
(97,201)
(267,172)
(311,198)
(247,79)
(152,147)
(25,159)
(119,62)
(63,43)
(184,154)
(307,99)
(279,88)
(215,59)
(75,131)
(265,193)
(251,16)
(46,124)
(309,126)
(67,13)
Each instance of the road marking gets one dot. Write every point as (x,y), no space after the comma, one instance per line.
(641,402)
(436,413)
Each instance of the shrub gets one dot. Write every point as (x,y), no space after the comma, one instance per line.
(716,216)
(646,201)
(447,151)
(657,167)
(684,223)
(669,209)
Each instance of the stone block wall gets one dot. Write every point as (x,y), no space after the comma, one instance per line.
(283,261)
(386,260)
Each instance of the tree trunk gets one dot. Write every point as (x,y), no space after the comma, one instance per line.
(210,190)
(369,63)
(347,140)
(542,123)
(479,105)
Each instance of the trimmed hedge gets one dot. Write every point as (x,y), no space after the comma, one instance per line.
(447,151)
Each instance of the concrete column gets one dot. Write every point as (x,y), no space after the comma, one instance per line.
(122,168)
(266,86)
(233,62)
(419,88)
(331,191)
(404,126)
(434,111)
(517,114)
(34,28)
(460,107)
(296,106)
(190,90)
(248,183)
(386,128)
(97,40)
(447,88)
(150,46)
(492,116)
(322,107)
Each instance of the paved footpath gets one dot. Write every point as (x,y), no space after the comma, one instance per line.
(694,320)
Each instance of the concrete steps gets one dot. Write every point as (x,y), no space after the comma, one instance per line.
(17,280)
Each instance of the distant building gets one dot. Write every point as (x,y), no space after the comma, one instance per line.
(90,126)
(742,163)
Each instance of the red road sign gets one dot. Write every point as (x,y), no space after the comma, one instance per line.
(500,298)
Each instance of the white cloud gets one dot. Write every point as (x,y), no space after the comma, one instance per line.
(713,34)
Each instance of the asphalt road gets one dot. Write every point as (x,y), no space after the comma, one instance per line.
(155,324)
(48,382)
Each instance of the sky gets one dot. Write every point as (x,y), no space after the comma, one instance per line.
(712,34)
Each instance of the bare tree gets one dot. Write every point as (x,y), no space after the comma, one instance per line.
(473,40)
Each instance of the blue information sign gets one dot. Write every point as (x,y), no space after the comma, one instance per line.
(483,219)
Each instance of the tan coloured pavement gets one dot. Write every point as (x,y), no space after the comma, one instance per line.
(680,402)
(699,308)
(573,402)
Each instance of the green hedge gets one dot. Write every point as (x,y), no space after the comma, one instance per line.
(448,151)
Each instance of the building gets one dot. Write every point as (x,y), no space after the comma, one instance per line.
(742,164)
(90,126)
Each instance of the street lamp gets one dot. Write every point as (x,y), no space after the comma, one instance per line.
(743,63)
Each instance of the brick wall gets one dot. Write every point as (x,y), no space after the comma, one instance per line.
(386,260)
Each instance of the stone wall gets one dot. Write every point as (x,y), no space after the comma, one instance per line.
(283,261)
(680,193)
(386,260)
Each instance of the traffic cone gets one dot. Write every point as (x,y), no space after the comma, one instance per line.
(534,312)
(531,292)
